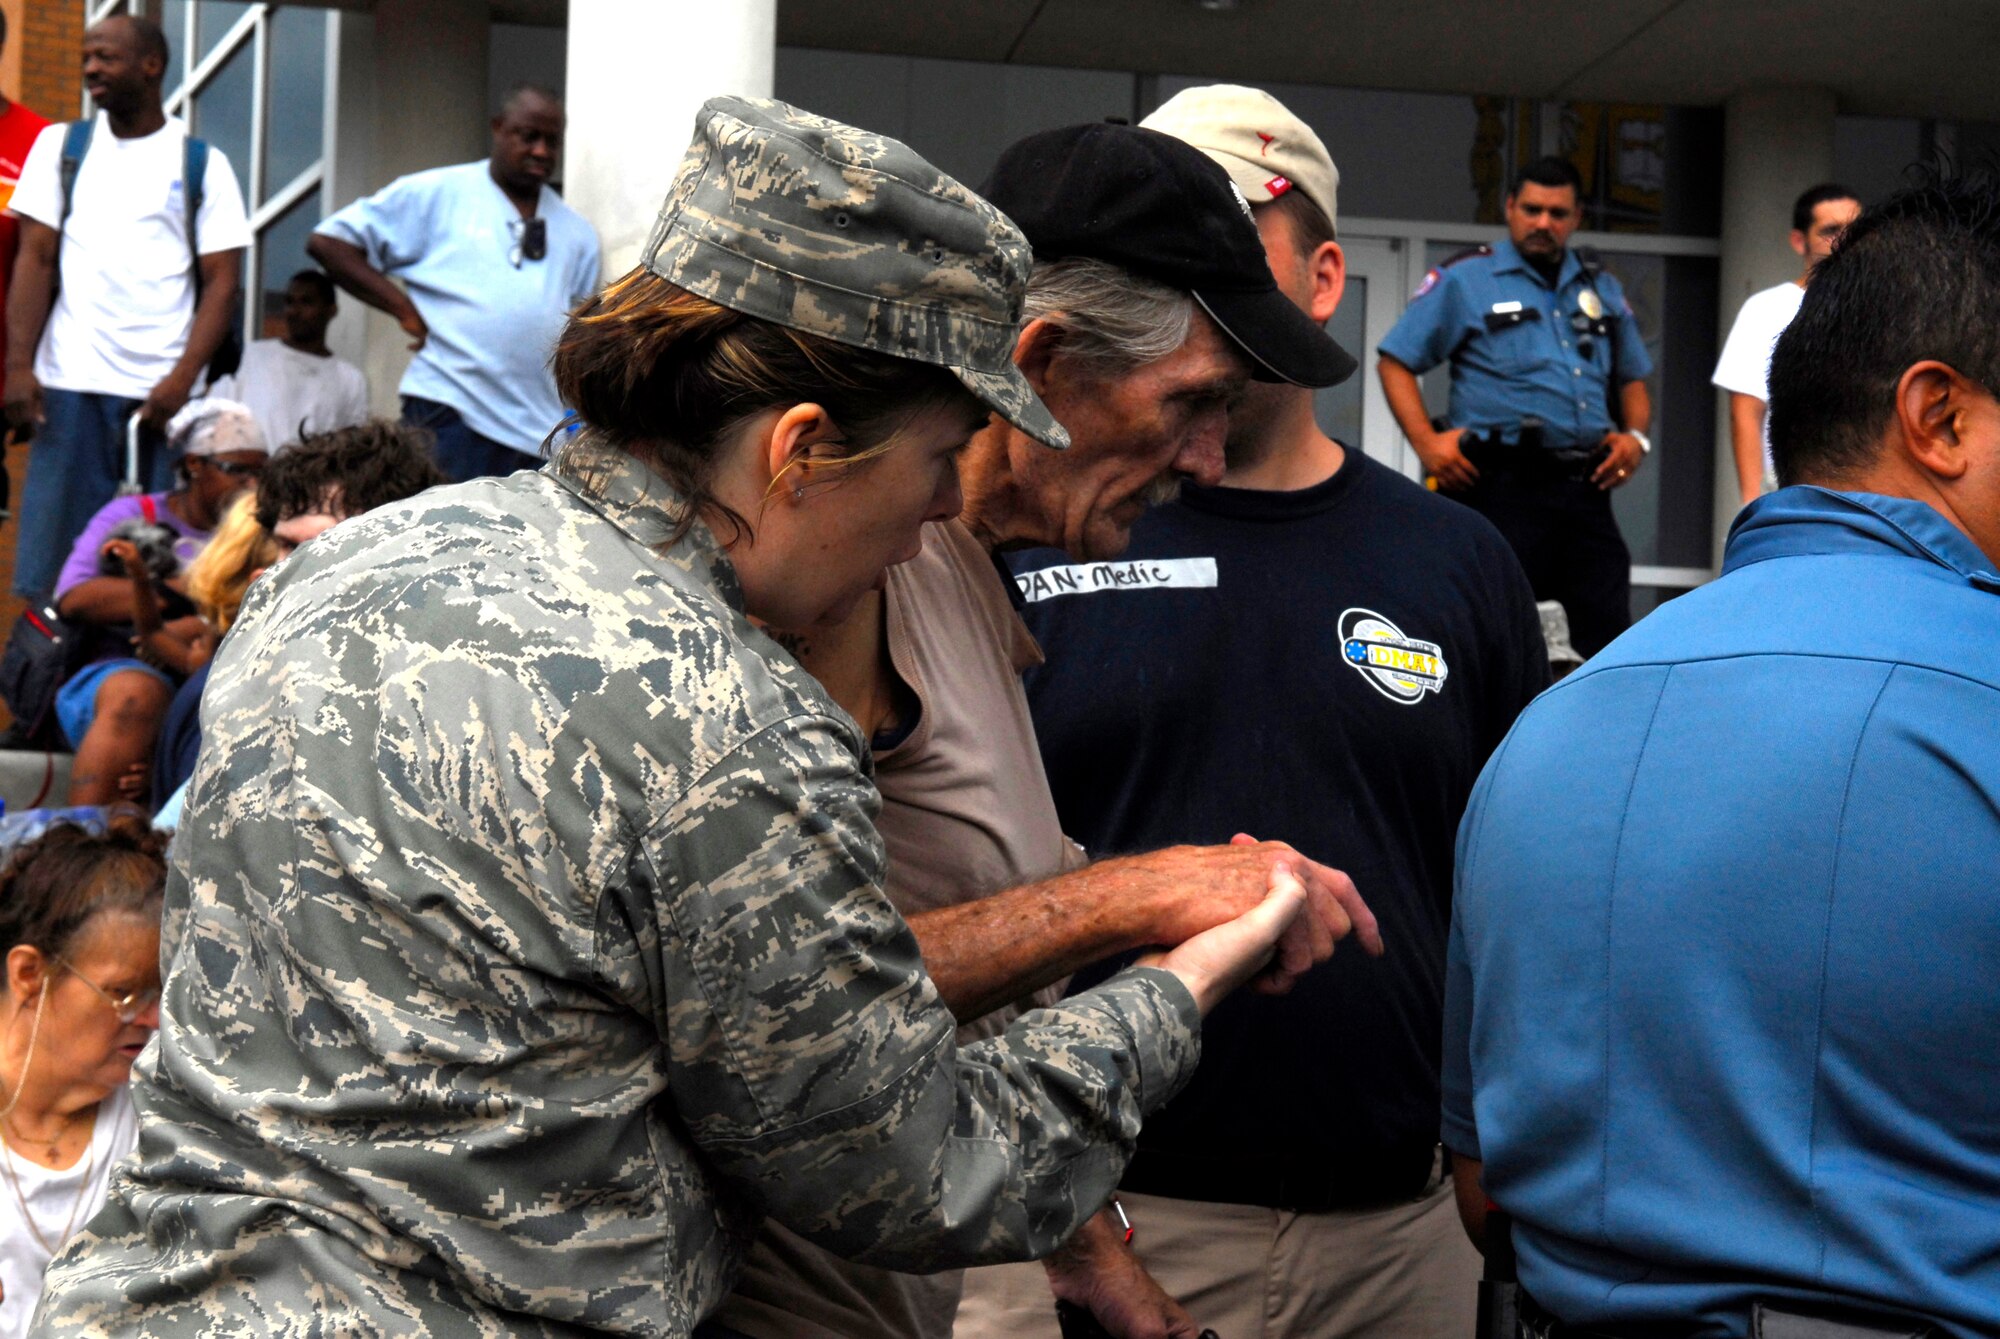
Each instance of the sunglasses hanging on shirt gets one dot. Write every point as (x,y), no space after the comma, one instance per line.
(531,240)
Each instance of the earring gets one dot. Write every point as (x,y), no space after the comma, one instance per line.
(798,494)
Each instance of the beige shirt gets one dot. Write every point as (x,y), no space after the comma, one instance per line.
(966,812)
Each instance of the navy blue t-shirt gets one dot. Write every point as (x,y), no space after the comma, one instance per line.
(1328,667)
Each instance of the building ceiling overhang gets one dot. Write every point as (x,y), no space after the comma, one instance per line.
(1932,58)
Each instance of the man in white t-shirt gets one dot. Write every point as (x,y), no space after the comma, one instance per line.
(294,384)
(1818,218)
(123,333)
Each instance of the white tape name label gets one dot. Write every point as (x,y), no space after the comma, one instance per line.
(1137,574)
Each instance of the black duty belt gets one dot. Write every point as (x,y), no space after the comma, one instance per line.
(1529,459)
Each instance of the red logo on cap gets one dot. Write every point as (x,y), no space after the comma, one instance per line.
(1269,140)
(1277,186)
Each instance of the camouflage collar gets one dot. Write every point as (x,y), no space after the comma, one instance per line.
(646,509)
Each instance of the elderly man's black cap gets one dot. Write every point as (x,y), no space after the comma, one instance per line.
(1162,209)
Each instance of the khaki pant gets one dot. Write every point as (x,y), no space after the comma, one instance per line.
(1404,1272)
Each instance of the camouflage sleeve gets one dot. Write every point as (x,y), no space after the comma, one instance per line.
(812,1060)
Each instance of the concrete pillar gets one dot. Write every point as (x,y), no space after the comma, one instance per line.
(410,89)
(638,72)
(1776,143)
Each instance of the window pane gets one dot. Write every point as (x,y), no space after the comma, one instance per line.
(212,21)
(294,129)
(222,111)
(173,22)
(282,253)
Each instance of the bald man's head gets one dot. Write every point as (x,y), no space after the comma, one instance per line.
(124,60)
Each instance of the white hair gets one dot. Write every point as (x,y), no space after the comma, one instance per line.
(1115,320)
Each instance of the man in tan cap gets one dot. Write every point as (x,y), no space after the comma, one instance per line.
(1354,650)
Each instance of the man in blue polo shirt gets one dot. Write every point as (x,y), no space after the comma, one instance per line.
(1720,1010)
(493,261)
(1541,343)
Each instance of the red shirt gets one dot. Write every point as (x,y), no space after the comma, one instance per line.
(18,129)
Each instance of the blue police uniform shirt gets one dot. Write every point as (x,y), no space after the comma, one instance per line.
(450,235)
(1720,1012)
(1513,348)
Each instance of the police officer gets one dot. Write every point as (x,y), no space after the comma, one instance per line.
(1537,337)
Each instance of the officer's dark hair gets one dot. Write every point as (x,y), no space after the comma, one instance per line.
(1548,171)
(1915,278)
(321,286)
(358,469)
(665,375)
(1812,198)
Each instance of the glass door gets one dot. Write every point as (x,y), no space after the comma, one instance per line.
(1356,412)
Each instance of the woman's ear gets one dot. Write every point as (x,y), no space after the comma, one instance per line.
(27,974)
(788,448)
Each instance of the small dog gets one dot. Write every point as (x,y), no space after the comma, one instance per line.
(155,544)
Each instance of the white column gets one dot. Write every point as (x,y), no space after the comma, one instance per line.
(638,72)
(1776,143)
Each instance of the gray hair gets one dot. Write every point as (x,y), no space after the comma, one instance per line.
(1116,321)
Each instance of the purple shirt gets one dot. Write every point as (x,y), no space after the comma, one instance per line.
(82,564)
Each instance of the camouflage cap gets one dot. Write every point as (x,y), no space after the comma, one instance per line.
(843,233)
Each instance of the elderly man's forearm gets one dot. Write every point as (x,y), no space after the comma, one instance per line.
(1000,949)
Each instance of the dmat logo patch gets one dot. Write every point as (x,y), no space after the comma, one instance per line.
(1401,668)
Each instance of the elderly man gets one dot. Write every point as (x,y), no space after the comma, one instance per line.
(493,261)
(1719,1023)
(1149,310)
(1381,640)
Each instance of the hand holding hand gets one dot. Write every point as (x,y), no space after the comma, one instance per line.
(1188,889)
(1215,962)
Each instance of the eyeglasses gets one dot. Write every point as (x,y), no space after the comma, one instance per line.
(128,1006)
(531,240)
(234,468)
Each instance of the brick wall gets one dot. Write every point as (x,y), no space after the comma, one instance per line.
(50,35)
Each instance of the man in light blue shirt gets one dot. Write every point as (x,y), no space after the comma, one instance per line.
(492,261)
(1720,1008)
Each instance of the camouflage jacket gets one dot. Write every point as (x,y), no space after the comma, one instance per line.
(525,943)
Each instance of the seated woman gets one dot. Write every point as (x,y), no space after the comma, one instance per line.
(80,927)
(111,709)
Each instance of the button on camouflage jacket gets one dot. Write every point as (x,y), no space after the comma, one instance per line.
(525,942)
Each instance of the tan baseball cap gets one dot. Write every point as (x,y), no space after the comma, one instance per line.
(1265,149)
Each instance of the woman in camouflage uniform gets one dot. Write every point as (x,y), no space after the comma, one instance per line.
(525,939)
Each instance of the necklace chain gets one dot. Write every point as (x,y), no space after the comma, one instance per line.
(7,1153)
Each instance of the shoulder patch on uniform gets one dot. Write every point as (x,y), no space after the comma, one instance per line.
(1431,278)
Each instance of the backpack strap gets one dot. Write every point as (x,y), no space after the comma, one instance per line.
(76,143)
(194,183)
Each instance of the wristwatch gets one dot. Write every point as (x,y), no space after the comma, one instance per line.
(1645,442)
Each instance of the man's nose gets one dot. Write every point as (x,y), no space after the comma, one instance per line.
(1200,457)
